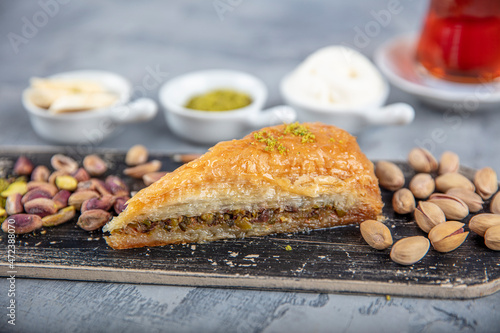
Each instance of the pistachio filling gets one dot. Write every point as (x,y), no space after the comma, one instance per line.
(235,219)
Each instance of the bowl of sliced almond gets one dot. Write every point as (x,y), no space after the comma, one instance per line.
(83,107)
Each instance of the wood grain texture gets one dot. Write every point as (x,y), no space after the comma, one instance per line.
(331,260)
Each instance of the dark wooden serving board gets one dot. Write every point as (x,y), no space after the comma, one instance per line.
(333,260)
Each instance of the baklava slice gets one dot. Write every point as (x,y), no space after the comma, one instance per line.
(281,179)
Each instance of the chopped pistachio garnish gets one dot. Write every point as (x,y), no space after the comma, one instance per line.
(270,141)
(300,130)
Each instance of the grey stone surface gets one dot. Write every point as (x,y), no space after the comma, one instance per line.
(268,39)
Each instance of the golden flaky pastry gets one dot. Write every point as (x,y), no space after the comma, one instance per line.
(285,178)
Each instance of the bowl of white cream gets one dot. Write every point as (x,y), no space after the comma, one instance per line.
(340,86)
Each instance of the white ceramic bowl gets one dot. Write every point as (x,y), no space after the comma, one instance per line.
(211,127)
(353,120)
(92,126)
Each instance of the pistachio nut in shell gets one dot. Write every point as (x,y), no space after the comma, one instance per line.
(447,236)
(422,185)
(403,201)
(486,182)
(450,162)
(428,215)
(389,175)
(451,180)
(492,238)
(482,222)
(452,207)
(422,160)
(495,204)
(376,234)
(471,199)
(136,155)
(410,250)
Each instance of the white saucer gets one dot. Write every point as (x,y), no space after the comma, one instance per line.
(396,59)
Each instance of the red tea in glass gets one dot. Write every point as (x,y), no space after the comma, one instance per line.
(460,40)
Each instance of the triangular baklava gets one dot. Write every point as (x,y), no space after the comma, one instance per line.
(285,178)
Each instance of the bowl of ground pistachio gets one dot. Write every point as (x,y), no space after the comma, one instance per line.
(217,105)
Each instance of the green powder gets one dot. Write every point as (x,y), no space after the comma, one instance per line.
(219,100)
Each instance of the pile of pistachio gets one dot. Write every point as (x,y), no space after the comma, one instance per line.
(38,197)
(445,198)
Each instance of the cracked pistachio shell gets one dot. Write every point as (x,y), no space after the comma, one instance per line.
(428,215)
(453,207)
(447,236)
(472,199)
